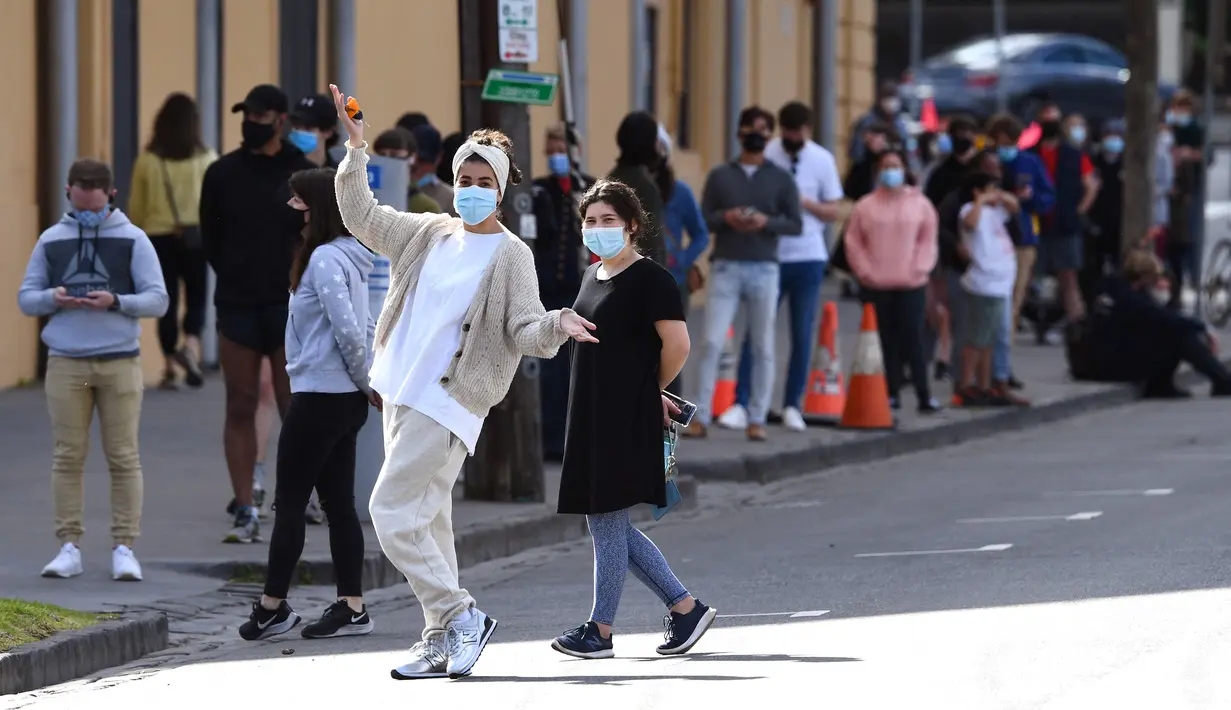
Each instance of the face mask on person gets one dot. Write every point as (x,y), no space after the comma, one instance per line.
(559,164)
(1179,118)
(944,144)
(307,141)
(1077,135)
(474,204)
(792,145)
(891,105)
(1051,129)
(605,242)
(256,135)
(962,145)
(892,177)
(90,219)
(753,142)
(1113,145)
(429,179)
(1007,153)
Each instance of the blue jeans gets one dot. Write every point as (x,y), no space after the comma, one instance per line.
(1001,369)
(754,283)
(799,284)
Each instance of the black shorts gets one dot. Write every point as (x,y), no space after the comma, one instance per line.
(259,328)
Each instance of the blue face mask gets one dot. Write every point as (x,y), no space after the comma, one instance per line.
(1178,119)
(1007,153)
(304,140)
(1113,144)
(1077,134)
(426,180)
(558,164)
(944,144)
(605,242)
(90,218)
(474,204)
(892,177)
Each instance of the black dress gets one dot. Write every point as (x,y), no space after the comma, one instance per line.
(613,449)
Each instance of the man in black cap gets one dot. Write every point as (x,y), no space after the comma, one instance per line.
(423,171)
(314,128)
(250,234)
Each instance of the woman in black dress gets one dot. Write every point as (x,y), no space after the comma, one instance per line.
(613,450)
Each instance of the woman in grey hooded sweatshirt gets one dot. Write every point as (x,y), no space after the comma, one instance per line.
(328,353)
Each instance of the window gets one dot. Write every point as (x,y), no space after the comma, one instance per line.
(1065,55)
(683,110)
(1104,58)
(650,100)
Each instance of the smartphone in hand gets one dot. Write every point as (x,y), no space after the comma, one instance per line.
(687,409)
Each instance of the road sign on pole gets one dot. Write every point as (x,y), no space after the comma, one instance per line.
(519,87)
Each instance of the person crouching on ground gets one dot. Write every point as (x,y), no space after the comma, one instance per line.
(328,345)
(444,357)
(94,275)
(613,453)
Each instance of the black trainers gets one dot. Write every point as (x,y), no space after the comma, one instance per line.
(263,623)
(339,620)
(683,631)
(585,641)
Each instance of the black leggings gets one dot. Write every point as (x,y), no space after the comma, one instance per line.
(900,317)
(180,264)
(317,450)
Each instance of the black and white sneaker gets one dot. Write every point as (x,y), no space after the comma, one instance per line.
(585,641)
(466,637)
(428,659)
(683,631)
(339,620)
(263,623)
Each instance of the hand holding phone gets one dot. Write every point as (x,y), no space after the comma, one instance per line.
(677,409)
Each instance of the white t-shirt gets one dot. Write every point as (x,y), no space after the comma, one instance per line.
(993,261)
(407,370)
(816,176)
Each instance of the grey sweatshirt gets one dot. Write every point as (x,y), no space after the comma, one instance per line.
(115,257)
(771,190)
(330,329)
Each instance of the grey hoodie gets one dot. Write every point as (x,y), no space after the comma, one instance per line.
(330,329)
(115,257)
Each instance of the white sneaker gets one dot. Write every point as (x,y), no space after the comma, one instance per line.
(466,637)
(793,420)
(66,564)
(124,565)
(734,418)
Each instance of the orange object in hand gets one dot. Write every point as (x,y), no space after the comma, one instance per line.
(352,109)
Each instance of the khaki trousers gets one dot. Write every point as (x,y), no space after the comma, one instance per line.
(75,387)
(412,511)
(1025,273)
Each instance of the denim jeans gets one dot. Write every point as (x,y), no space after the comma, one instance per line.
(799,284)
(755,283)
(1001,369)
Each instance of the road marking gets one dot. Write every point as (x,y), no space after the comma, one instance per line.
(986,548)
(788,614)
(1089,515)
(1121,492)
(795,504)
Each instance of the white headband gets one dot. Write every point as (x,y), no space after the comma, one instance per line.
(489,153)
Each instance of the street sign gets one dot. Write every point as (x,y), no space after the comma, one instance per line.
(519,87)
(518,30)
(520,14)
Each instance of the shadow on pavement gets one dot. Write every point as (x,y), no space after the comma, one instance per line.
(596,679)
(757,658)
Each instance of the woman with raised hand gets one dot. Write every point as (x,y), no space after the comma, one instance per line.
(462,310)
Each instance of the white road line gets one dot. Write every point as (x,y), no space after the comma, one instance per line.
(1121,492)
(795,504)
(1089,515)
(986,548)
(788,614)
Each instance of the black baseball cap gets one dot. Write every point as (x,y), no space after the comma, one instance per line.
(429,142)
(262,98)
(315,111)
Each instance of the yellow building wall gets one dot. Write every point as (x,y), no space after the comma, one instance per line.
(18,188)
(549,63)
(610,73)
(250,57)
(856,67)
(94,88)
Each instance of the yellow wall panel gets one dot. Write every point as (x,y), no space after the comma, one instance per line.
(250,57)
(94,60)
(610,86)
(549,63)
(168,56)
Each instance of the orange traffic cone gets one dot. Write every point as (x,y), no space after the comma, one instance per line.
(867,402)
(928,117)
(724,389)
(826,396)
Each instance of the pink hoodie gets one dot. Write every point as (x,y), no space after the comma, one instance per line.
(891,240)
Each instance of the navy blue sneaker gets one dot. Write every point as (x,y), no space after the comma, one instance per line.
(683,631)
(584,642)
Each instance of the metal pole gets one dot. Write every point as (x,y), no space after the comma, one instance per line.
(63,104)
(916,48)
(640,58)
(825,43)
(342,45)
(209,100)
(578,68)
(737,67)
(1216,37)
(998,27)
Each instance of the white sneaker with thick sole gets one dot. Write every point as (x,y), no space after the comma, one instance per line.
(466,637)
(793,420)
(124,565)
(734,418)
(66,564)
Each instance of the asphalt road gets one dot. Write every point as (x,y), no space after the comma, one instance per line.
(1081,565)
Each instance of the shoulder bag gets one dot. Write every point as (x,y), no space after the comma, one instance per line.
(188,234)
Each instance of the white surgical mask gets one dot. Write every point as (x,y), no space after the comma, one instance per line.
(891,105)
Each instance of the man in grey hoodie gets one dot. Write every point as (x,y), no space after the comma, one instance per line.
(94,274)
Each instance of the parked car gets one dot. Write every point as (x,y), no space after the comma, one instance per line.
(1082,74)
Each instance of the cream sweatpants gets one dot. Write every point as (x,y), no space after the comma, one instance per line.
(412,511)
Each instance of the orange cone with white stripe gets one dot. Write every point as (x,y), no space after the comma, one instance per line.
(724,388)
(826,396)
(867,401)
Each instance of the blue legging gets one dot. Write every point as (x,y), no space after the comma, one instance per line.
(619,547)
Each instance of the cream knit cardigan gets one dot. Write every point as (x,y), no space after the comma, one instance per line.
(506,319)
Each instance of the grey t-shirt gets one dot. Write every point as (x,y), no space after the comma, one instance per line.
(769,189)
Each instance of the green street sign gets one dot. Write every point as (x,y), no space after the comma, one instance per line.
(519,87)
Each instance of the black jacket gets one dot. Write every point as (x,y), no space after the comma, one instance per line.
(950,229)
(1128,329)
(557,246)
(248,231)
(946,178)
